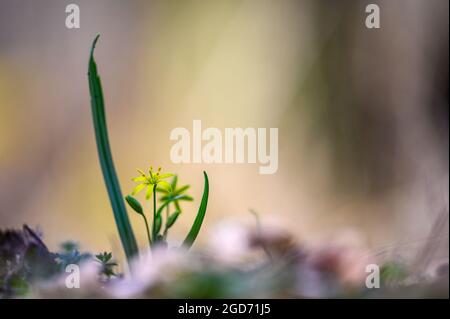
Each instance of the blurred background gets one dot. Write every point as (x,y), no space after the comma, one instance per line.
(362,114)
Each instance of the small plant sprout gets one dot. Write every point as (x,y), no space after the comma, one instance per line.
(174,195)
(70,254)
(107,264)
(169,201)
(151,182)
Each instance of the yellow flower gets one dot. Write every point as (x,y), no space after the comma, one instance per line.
(151,181)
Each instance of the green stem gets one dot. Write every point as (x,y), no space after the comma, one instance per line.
(154,214)
(148,230)
(165,226)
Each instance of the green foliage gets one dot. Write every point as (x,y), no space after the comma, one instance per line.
(393,272)
(153,182)
(195,229)
(24,258)
(174,194)
(70,254)
(108,265)
(171,198)
(137,207)
(172,219)
(69,246)
(134,203)
(158,224)
(104,257)
(106,162)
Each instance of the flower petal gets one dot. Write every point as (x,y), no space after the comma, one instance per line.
(165,175)
(165,185)
(137,189)
(149,192)
(139,179)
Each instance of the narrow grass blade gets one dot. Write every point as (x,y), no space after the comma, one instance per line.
(106,161)
(195,229)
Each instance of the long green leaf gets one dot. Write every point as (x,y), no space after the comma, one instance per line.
(106,161)
(172,199)
(195,229)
